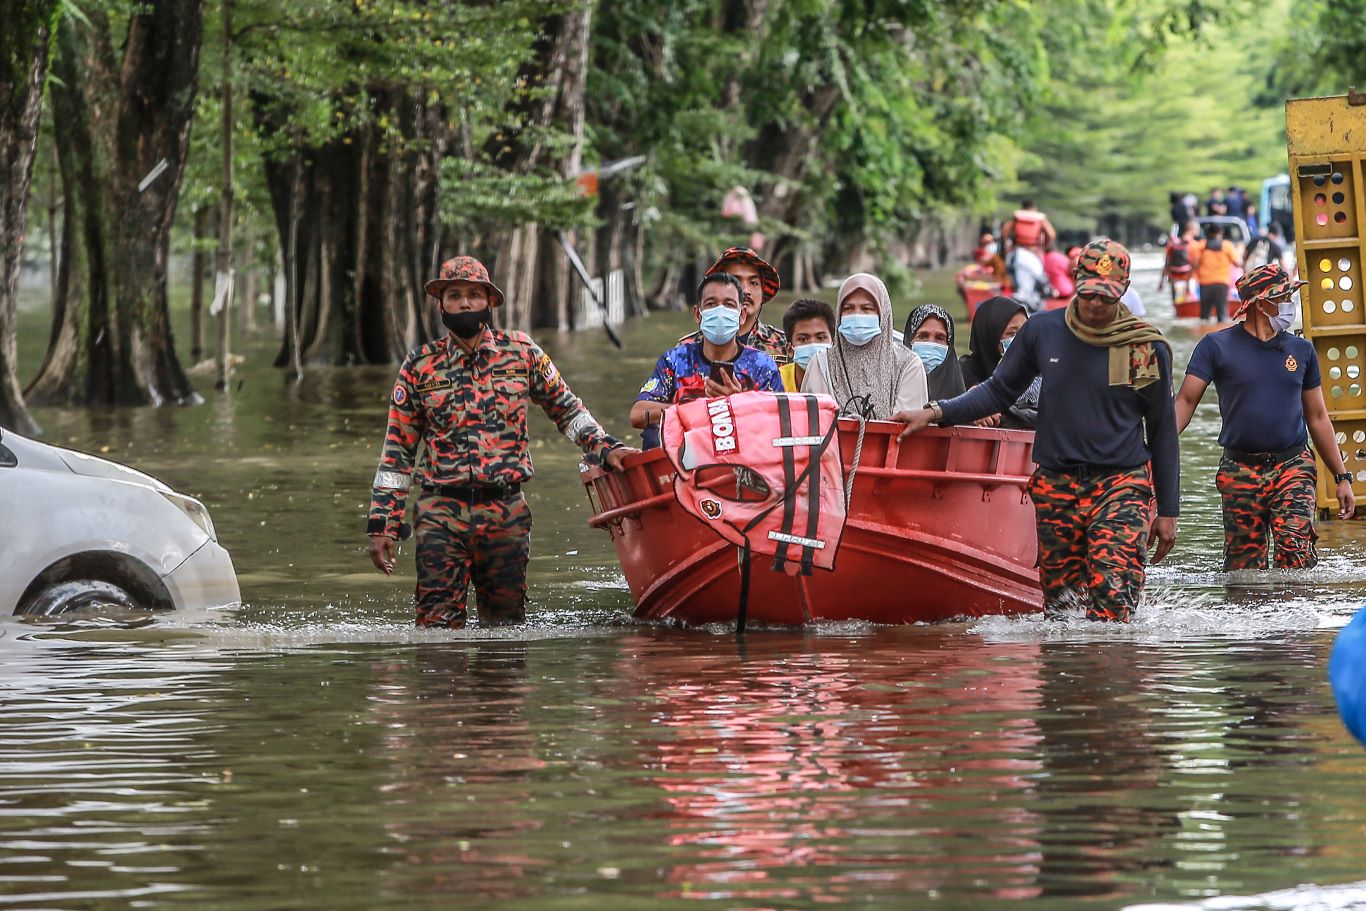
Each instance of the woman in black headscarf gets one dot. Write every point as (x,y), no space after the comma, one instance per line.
(929,333)
(993,329)
(989,325)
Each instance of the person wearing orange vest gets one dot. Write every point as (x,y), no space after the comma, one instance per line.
(1214,259)
(1028,227)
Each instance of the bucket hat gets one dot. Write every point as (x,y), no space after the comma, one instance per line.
(1264,283)
(768,276)
(465,269)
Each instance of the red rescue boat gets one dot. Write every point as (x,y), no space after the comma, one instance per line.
(939,526)
(977,293)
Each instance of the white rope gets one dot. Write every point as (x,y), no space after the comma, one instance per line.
(858,454)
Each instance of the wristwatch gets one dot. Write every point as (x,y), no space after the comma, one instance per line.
(1339,478)
(937,413)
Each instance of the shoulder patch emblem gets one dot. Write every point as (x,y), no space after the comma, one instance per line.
(546,367)
(400,394)
(650,385)
(1291,365)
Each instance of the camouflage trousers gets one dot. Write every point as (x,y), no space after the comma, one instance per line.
(1092,539)
(459,542)
(1263,504)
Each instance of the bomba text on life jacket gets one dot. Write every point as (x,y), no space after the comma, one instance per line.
(722,425)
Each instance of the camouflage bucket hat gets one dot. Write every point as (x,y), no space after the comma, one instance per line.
(768,276)
(1103,269)
(465,269)
(1264,283)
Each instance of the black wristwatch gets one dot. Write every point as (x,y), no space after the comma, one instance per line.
(1339,478)
(936,413)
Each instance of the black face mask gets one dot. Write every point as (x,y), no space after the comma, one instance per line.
(465,323)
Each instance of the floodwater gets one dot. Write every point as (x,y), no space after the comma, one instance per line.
(310,750)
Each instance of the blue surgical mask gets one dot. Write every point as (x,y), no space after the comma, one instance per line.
(860,328)
(720,325)
(802,354)
(1005,343)
(1285,318)
(932,354)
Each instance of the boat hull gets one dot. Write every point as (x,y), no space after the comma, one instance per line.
(974,297)
(939,527)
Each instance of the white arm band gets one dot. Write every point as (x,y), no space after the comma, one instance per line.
(393,480)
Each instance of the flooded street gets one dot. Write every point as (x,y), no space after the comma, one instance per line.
(311,750)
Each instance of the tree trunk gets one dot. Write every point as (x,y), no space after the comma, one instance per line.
(24,42)
(366,219)
(201,228)
(223,261)
(122,108)
(529,259)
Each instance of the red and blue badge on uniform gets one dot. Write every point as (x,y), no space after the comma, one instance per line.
(400,394)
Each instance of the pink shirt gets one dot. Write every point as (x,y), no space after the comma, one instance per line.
(1058,268)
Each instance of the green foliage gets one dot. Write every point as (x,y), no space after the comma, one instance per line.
(1323,51)
(855,124)
(1118,128)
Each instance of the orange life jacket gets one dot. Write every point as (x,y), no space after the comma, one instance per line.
(1027,227)
(764,470)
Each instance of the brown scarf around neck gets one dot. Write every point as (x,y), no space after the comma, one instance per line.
(1132,344)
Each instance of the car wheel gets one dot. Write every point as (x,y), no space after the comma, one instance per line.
(79,595)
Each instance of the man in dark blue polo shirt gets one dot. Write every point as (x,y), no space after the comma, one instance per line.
(1270,391)
(1107,378)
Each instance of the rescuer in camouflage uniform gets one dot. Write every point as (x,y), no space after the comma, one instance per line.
(464,398)
(1106,443)
(1270,397)
(759,282)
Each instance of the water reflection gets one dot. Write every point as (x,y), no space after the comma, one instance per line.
(457,748)
(93,749)
(818,771)
(1101,768)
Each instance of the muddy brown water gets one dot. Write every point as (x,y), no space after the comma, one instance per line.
(310,750)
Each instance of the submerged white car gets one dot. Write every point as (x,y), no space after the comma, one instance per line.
(79,532)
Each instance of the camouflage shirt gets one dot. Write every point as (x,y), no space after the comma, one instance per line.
(769,339)
(469,412)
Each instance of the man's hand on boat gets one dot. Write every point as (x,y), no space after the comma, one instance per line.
(1164,532)
(617,456)
(915,420)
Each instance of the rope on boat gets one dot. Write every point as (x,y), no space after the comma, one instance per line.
(860,408)
(853,470)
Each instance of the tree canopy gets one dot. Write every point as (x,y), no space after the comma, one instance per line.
(371,139)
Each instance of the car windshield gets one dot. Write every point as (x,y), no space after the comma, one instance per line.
(1234,231)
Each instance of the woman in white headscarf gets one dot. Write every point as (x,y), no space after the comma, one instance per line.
(865,370)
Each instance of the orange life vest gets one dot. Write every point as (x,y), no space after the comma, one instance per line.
(1027,227)
(762,470)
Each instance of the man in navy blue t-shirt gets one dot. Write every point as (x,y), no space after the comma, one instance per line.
(1270,392)
(1106,443)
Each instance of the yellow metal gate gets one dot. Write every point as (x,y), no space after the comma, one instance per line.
(1327,144)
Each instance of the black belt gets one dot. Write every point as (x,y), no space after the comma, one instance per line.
(1084,470)
(474,493)
(1264,458)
